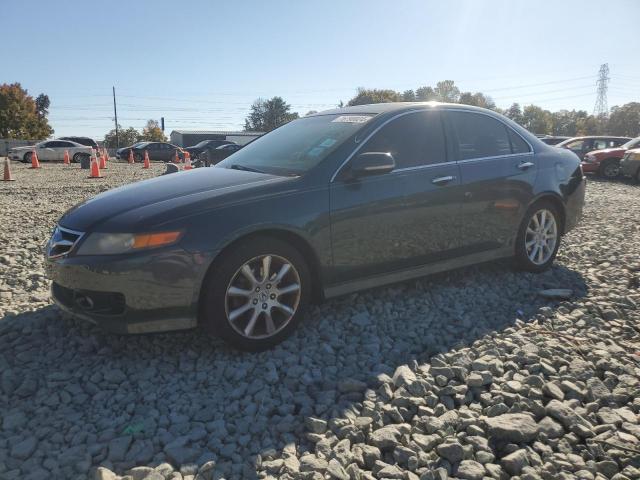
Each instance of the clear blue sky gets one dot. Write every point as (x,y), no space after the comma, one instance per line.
(200,64)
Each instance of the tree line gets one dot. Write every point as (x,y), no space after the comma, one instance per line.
(623,120)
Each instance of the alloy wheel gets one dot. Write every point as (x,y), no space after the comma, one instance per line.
(541,237)
(262,296)
(611,170)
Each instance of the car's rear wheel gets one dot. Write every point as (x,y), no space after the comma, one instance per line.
(253,298)
(538,237)
(610,169)
(27,157)
(138,157)
(77,158)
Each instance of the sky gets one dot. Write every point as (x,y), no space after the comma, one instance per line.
(200,64)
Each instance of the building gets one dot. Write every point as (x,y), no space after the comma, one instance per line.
(188,138)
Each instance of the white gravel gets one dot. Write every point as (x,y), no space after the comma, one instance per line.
(472,374)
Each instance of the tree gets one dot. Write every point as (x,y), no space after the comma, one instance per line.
(446,91)
(42,105)
(126,137)
(425,94)
(20,117)
(625,120)
(477,99)
(153,133)
(267,115)
(366,96)
(536,120)
(514,112)
(310,112)
(408,96)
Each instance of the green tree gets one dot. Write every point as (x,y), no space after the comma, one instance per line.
(536,119)
(425,94)
(446,91)
(365,96)
(20,116)
(408,96)
(267,115)
(625,120)
(153,133)
(514,112)
(126,137)
(477,99)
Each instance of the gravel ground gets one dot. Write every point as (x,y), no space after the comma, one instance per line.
(471,374)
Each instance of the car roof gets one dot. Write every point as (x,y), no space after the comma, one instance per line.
(377,108)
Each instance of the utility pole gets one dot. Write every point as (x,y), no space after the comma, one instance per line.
(602,108)
(115,114)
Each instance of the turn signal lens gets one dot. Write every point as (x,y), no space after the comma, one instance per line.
(150,240)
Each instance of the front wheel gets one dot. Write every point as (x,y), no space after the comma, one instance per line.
(538,238)
(610,169)
(27,157)
(253,298)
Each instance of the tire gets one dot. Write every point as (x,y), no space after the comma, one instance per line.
(637,177)
(229,274)
(609,169)
(27,157)
(77,157)
(138,158)
(524,252)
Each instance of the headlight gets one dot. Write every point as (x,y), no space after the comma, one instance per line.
(116,243)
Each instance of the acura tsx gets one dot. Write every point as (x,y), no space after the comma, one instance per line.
(329,204)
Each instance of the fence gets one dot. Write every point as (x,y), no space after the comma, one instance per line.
(8,143)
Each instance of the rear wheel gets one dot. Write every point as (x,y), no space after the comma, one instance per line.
(610,168)
(138,157)
(538,237)
(253,298)
(77,158)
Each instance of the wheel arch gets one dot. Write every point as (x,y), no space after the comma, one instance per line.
(295,239)
(557,202)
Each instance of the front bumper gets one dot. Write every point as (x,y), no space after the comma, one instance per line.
(16,156)
(590,167)
(139,293)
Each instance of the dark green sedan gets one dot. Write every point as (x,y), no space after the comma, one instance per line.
(332,203)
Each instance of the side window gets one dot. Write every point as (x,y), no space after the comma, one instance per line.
(47,145)
(518,145)
(599,144)
(478,136)
(577,146)
(414,139)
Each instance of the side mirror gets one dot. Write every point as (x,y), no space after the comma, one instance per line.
(372,163)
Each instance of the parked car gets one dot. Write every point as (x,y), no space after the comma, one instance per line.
(123,153)
(630,164)
(216,155)
(51,151)
(328,204)
(553,140)
(89,142)
(583,145)
(197,149)
(160,151)
(606,162)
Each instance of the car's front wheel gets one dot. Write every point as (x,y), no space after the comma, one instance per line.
(254,296)
(538,237)
(27,157)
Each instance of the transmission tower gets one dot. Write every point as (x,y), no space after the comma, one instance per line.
(601,107)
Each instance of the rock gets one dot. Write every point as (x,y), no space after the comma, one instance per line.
(470,470)
(403,376)
(552,390)
(512,427)
(451,450)
(118,448)
(385,438)
(336,471)
(315,425)
(562,293)
(349,385)
(24,449)
(104,474)
(551,428)
(114,376)
(515,462)
(311,463)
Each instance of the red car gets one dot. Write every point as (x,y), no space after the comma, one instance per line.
(606,162)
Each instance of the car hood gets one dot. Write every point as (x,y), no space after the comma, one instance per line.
(608,152)
(150,203)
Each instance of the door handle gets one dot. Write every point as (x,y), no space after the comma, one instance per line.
(443,180)
(526,165)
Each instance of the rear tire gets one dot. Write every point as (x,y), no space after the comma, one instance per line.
(538,237)
(248,309)
(77,158)
(609,169)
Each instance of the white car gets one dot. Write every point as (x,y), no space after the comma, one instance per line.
(51,151)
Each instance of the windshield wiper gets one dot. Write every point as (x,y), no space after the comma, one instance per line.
(236,166)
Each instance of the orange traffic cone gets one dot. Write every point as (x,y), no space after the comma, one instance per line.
(103,161)
(187,163)
(7,171)
(176,159)
(131,156)
(66,158)
(34,159)
(147,163)
(95,169)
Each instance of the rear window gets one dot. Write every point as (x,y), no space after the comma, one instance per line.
(478,136)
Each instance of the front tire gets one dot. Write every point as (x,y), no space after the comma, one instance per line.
(254,297)
(27,157)
(538,237)
(609,169)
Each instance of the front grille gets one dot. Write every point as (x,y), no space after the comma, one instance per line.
(62,241)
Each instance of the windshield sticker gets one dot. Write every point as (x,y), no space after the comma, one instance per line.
(352,119)
(314,152)
(327,143)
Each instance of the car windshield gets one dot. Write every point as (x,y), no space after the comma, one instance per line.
(633,143)
(298,146)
